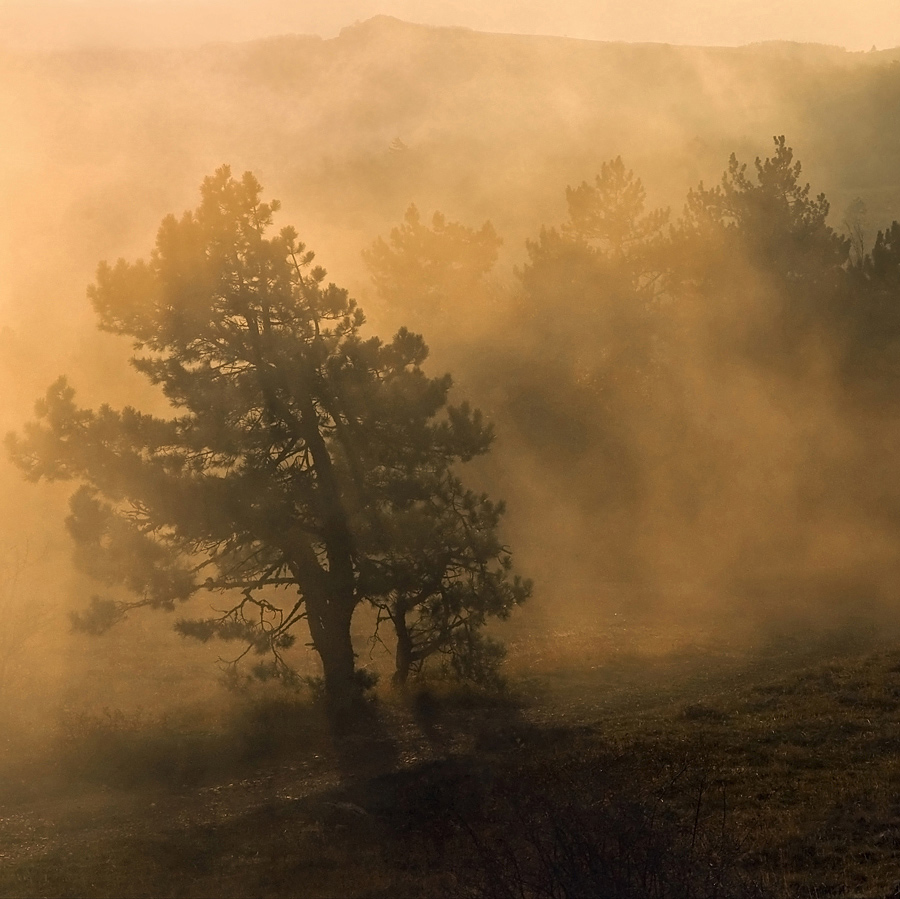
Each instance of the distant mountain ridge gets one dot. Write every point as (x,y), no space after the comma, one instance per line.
(57,24)
(482,126)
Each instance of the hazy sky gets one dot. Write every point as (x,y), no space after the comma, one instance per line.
(855,24)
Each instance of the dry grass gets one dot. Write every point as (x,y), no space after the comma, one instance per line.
(695,773)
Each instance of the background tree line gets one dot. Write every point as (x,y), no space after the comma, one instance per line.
(713,394)
(716,392)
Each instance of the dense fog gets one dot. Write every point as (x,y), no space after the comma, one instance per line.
(695,408)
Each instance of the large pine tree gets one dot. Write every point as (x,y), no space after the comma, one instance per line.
(301,457)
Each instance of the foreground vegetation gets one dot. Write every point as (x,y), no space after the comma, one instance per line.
(771,773)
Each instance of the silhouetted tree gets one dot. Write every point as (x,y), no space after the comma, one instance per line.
(609,216)
(425,272)
(301,456)
(883,266)
(774,219)
(593,329)
(871,320)
(436,579)
(762,257)
(591,288)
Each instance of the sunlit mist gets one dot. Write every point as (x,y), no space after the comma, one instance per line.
(656,249)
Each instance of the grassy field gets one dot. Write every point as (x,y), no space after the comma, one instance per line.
(698,772)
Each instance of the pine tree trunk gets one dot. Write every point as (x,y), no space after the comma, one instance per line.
(338,662)
(329,625)
(404,654)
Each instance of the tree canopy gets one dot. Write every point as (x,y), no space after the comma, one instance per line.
(424,272)
(651,363)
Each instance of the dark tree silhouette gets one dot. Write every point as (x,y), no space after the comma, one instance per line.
(594,333)
(426,272)
(871,321)
(301,457)
(761,258)
(436,584)
(590,289)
